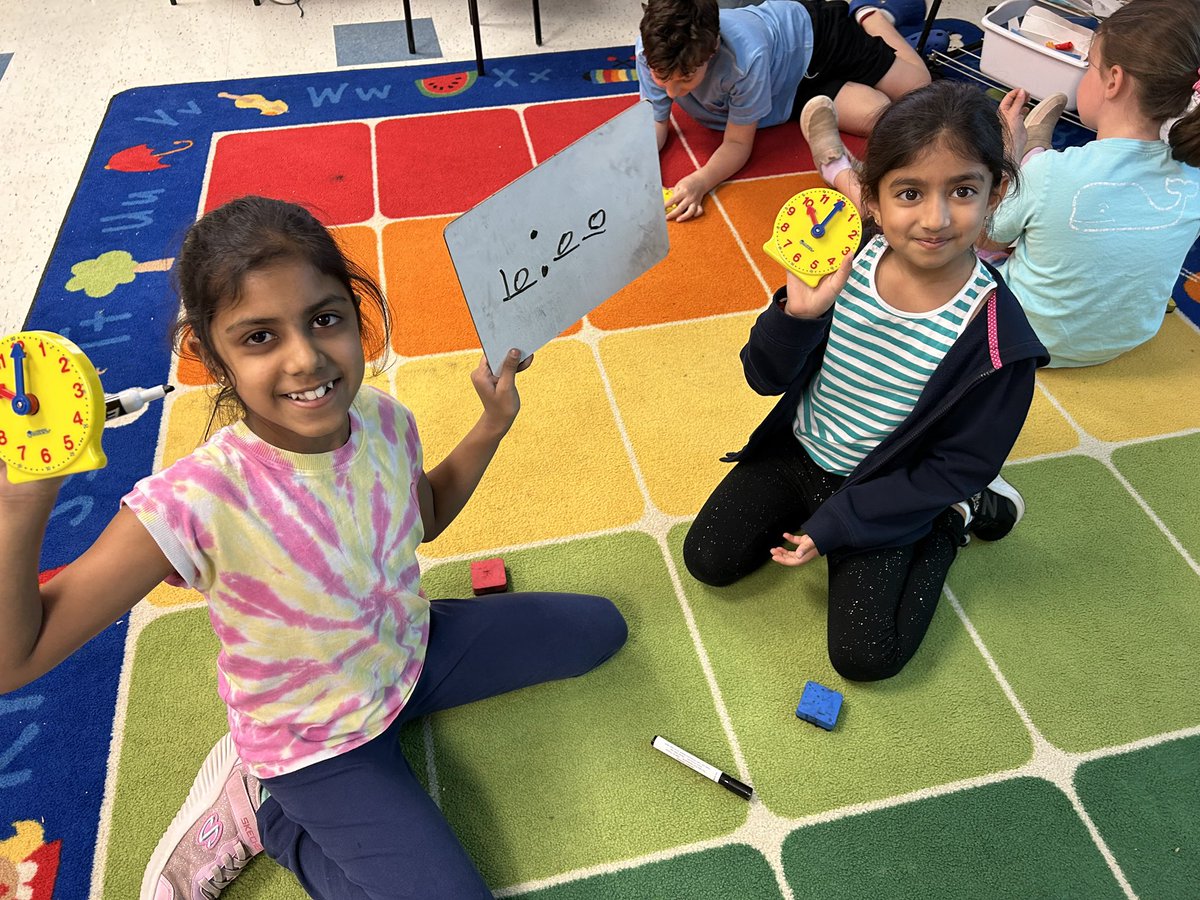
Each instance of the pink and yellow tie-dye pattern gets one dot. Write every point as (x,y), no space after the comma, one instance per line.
(308,562)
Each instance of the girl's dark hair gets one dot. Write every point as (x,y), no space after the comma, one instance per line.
(1157,42)
(247,235)
(679,36)
(954,114)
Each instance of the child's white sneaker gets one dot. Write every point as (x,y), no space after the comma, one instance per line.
(213,835)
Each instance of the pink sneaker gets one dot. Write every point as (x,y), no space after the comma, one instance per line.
(213,835)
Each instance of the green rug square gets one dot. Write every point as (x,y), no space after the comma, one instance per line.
(561,776)
(536,783)
(1016,839)
(718,874)
(1145,805)
(1155,469)
(942,719)
(1087,609)
(174,716)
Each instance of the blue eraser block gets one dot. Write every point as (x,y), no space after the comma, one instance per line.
(819,705)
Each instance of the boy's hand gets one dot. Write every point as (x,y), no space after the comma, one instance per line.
(1012,111)
(807,302)
(688,198)
(805,550)
(498,393)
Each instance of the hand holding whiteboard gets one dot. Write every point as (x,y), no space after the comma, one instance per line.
(541,253)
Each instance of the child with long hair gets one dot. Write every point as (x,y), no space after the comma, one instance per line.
(1101,230)
(906,377)
(299,523)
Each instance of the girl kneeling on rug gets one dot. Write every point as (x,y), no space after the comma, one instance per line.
(906,377)
(300,524)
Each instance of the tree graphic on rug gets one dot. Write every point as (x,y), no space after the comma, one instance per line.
(100,276)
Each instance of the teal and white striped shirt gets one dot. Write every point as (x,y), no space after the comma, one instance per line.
(876,364)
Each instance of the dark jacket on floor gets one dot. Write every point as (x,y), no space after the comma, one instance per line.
(951,445)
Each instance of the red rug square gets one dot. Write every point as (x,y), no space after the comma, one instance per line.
(430,165)
(555,126)
(326,168)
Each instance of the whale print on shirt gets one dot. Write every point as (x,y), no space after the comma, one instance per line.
(1110,205)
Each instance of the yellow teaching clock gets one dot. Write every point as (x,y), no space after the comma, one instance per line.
(814,230)
(51,407)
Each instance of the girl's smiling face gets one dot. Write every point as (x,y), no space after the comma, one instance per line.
(292,347)
(933,209)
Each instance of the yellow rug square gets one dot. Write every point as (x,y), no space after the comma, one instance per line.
(564,440)
(684,403)
(1045,431)
(1139,394)
(165,596)
(187,417)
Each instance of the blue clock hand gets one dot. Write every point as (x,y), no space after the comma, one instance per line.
(21,404)
(818,229)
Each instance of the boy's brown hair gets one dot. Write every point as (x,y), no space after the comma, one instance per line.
(679,36)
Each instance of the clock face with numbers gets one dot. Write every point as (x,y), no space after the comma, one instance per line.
(813,231)
(51,407)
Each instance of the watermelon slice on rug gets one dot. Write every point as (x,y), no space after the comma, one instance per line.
(446,85)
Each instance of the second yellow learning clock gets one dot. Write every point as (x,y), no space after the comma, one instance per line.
(51,407)
(813,231)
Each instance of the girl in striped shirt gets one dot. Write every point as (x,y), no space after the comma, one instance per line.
(905,379)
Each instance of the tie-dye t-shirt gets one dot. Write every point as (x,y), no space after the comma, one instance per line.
(308,563)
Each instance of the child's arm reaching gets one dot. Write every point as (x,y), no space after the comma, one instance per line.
(688,194)
(445,490)
(1012,113)
(40,626)
(662,131)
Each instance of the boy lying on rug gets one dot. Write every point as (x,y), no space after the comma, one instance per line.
(736,70)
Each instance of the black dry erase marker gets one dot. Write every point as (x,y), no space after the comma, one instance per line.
(696,764)
(131,400)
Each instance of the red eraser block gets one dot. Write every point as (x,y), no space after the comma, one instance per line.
(488,576)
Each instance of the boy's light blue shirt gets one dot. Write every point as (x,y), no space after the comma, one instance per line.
(764,52)
(1101,232)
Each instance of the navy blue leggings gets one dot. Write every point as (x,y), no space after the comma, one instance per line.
(360,825)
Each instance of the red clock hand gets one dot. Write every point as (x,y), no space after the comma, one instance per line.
(812,213)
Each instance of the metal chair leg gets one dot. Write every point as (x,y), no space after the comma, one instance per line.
(473,8)
(537,22)
(408,26)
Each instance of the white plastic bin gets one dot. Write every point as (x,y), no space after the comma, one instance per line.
(1017,61)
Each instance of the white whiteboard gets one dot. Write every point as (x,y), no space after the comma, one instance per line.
(541,253)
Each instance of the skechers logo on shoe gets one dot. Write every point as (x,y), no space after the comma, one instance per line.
(210,831)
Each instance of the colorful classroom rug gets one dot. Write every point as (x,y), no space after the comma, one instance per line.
(1045,741)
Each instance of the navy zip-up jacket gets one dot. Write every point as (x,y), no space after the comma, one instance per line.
(951,445)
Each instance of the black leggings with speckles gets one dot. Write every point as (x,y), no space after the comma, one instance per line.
(881,601)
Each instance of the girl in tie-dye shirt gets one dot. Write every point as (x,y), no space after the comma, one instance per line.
(299,523)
